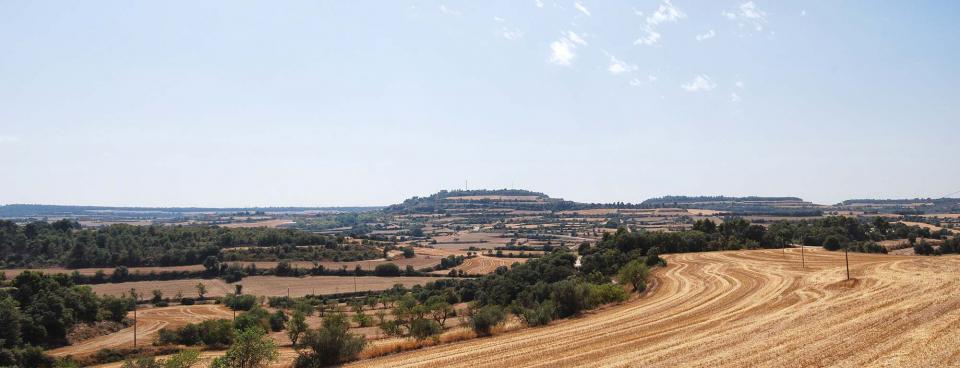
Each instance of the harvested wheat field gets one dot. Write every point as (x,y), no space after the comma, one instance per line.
(746,309)
(149,321)
(481,265)
(265,285)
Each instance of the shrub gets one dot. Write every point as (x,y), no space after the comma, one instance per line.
(256,317)
(605,293)
(387,269)
(570,297)
(239,302)
(252,349)
(277,320)
(635,273)
(186,301)
(423,328)
(484,319)
(330,344)
(539,315)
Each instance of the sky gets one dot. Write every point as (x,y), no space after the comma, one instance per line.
(321,103)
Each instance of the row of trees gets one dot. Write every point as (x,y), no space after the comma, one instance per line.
(64,243)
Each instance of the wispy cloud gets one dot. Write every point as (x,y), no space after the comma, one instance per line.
(511,33)
(498,19)
(581,8)
(748,14)
(539,3)
(700,83)
(635,82)
(706,36)
(734,97)
(563,50)
(618,66)
(445,10)
(665,13)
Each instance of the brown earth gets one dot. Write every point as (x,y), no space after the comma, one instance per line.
(149,321)
(746,309)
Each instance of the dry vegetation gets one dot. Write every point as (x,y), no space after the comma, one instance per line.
(747,309)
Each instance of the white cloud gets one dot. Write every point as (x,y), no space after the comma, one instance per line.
(739,84)
(445,10)
(651,38)
(652,78)
(581,8)
(618,66)
(748,13)
(539,3)
(665,13)
(803,12)
(635,82)
(511,34)
(734,97)
(563,51)
(9,139)
(701,83)
(498,19)
(706,36)
(576,38)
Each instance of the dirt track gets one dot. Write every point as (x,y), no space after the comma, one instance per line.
(149,321)
(746,309)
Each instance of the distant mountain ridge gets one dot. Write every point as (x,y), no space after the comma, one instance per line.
(46,210)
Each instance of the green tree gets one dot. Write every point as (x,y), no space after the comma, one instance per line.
(330,344)
(252,349)
(296,327)
(635,273)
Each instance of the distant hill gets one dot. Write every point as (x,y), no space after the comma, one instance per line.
(913,206)
(44,210)
(751,205)
(480,200)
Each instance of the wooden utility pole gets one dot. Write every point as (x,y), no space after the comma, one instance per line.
(133,293)
(846,258)
(803,262)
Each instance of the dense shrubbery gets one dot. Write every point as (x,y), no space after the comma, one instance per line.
(213,333)
(330,344)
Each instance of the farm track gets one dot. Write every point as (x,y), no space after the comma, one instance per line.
(746,309)
(149,321)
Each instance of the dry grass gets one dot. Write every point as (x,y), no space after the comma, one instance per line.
(746,309)
(266,285)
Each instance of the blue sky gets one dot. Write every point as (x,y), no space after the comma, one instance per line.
(353,103)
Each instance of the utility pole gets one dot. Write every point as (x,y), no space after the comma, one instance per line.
(846,258)
(133,293)
(803,263)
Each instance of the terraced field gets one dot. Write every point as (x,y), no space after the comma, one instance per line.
(747,309)
(149,321)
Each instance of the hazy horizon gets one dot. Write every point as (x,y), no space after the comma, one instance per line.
(221,104)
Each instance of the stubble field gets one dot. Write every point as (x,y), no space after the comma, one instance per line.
(747,309)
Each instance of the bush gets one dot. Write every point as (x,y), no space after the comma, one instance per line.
(213,333)
(277,320)
(331,344)
(833,242)
(635,273)
(570,297)
(256,317)
(605,294)
(484,319)
(251,349)
(423,328)
(282,302)
(387,269)
(239,302)
(539,315)
(187,301)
